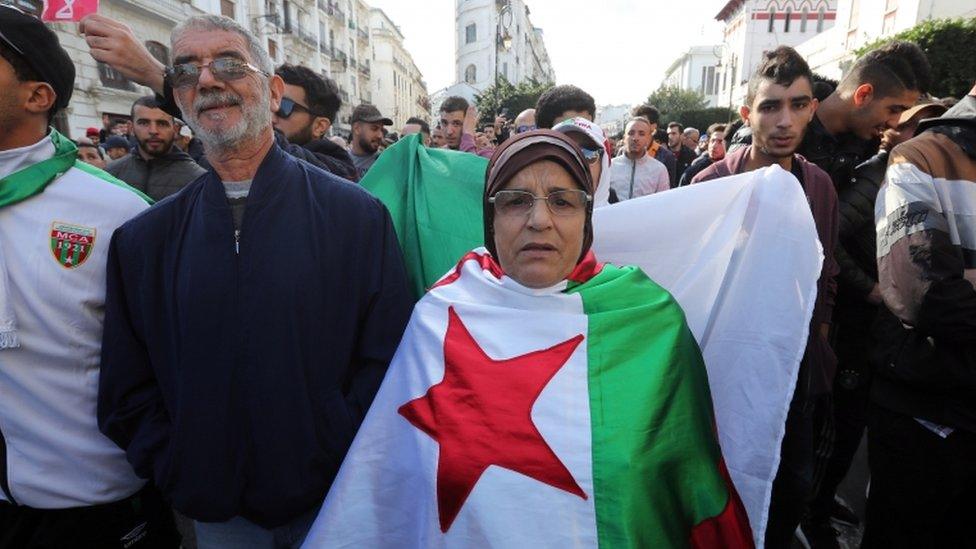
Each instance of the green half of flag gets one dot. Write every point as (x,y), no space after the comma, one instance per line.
(652,422)
(434,197)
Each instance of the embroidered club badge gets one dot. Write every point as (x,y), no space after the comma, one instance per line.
(71,244)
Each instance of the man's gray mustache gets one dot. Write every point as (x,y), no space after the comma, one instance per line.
(223,99)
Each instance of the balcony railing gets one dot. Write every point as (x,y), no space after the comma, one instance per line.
(363,34)
(324,48)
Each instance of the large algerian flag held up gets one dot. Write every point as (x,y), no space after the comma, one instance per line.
(740,256)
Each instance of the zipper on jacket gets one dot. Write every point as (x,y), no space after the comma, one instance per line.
(237,241)
(4,481)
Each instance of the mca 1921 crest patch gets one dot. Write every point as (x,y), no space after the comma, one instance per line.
(71,244)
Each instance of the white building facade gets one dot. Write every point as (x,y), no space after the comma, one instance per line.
(331,37)
(697,70)
(497,38)
(398,88)
(860,22)
(755,26)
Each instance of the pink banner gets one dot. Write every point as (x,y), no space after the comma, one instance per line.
(68,10)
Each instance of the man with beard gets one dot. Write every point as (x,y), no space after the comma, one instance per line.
(156,167)
(249,318)
(113,43)
(367,136)
(779,106)
(308,108)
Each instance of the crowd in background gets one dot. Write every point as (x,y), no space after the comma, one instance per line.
(891,339)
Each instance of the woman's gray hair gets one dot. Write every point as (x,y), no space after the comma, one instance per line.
(220,23)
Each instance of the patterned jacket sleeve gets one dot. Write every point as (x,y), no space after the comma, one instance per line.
(921,264)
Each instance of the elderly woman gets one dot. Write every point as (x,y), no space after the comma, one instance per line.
(538,398)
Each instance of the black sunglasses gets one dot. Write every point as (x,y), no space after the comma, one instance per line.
(289,106)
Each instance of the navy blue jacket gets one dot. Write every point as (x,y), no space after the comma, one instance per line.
(236,381)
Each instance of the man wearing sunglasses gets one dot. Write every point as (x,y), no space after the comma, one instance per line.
(62,482)
(250,318)
(308,107)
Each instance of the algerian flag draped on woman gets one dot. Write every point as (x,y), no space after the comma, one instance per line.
(578,412)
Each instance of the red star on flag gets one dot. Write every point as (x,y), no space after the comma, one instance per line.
(480,414)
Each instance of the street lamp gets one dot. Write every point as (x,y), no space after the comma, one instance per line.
(503,40)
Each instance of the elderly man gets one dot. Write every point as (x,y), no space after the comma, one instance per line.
(525,121)
(251,317)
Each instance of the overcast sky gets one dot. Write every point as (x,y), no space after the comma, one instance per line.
(617,50)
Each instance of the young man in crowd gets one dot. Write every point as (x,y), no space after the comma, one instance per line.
(249,319)
(157,167)
(922,415)
(90,153)
(714,151)
(560,103)
(868,100)
(62,482)
(458,121)
(683,156)
(417,125)
(656,149)
(635,172)
(779,106)
(308,108)
(367,136)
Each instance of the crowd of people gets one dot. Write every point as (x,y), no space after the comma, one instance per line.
(223,299)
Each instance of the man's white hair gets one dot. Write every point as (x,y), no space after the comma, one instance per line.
(220,23)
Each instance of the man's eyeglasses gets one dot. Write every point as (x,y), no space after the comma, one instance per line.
(592,156)
(519,203)
(525,128)
(225,69)
(289,106)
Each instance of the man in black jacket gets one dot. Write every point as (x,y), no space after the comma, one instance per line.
(113,43)
(155,165)
(307,110)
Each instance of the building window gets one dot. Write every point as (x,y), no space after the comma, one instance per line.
(286,8)
(711,85)
(227,8)
(471,74)
(803,19)
(272,49)
(159,51)
(505,70)
(772,18)
(821,15)
(470,33)
(786,24)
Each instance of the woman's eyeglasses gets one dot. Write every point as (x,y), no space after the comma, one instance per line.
(519,203)
(225,69)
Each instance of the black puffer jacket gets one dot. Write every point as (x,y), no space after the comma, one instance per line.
(856,250)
